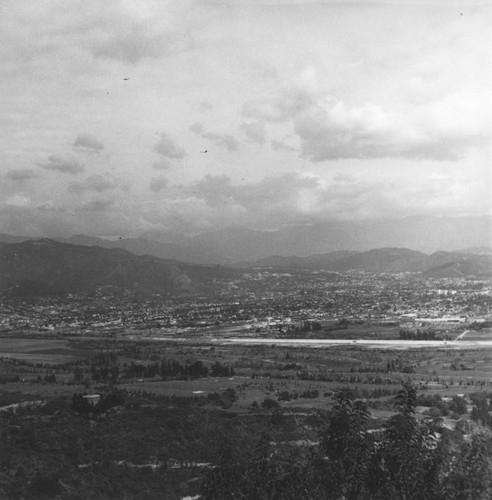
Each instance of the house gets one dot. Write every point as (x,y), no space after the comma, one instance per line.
(92,399)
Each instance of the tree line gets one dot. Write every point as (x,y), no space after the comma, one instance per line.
(173,369)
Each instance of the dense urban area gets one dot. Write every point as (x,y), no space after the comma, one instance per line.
(279,302)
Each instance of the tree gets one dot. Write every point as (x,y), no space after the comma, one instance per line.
(469,477)
(262,472)
(226,479)
(410,455)
(405,460)
(345,448)
(458,405)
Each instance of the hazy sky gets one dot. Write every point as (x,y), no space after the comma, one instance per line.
(307,111)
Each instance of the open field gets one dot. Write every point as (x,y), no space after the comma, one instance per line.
(480,335)
(41,350)
(263,367)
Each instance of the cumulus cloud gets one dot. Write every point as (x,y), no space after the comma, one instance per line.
(291,198)
(158,184)
(225,140)
(331,129)
(365,100)
(168,148)
(255,131)
(66,165)
(21,174)
(215,201)
(274,200)
(88,142)
(94,183)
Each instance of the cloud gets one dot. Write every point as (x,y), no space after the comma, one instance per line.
(282,146)
(94,183)
(65,165)
(21,174)
(88,142)
(215,201)
(137,45)
(158,184)
(115,31)
(361,101)
(344,178)
(206,106)
(226,141)
(168,148)
(291,198)
(255,131)
(331,130)
(128,47)
(283,107)
(161,165)
(18,200)
(442,128)
(131,36)
(275,200)
(97,217)
(96,206)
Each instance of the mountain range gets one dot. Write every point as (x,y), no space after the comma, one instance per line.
(38,267)
(238,244)
(387,260)
(45,266)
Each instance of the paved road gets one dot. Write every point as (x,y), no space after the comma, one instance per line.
(389,344)
(379,344)
(461,335)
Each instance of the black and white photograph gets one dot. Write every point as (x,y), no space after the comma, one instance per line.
(246,249)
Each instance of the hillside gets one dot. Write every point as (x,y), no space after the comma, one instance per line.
(388,260)
(47,266)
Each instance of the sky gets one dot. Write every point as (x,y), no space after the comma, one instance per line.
(124,117)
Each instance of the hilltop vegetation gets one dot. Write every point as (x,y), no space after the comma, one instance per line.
(139,447)
(45,266)
(404,460)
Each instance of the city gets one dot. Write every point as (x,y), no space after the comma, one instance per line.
(257,301)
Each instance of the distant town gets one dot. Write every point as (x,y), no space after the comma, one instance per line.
(260,301)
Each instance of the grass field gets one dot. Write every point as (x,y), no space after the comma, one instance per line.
(40,350)
(261,371)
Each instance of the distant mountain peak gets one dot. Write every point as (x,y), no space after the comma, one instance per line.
(241,244)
